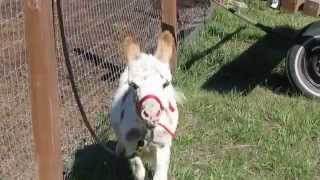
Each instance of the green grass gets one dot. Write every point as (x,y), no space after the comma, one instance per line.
(242,120)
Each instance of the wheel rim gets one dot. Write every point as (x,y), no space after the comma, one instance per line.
(311,64)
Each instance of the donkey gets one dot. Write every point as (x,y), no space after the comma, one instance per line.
(144,114)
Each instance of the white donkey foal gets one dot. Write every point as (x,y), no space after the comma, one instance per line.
(144,112)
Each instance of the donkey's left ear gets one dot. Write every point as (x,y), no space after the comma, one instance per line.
(165,47)
(131,49)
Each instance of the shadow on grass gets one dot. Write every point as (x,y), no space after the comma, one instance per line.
(94,163)
(255,67)
(208,51)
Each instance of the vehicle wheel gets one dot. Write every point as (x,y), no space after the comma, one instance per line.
(303,66)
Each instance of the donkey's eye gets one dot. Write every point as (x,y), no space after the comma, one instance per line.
(166,84)
(133,85)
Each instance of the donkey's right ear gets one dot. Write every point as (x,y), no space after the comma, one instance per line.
(165,47)
(131,49)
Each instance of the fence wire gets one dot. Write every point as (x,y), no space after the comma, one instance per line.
(16,144)
(94,30)
(191,15)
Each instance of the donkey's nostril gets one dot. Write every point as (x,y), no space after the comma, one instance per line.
(145,114)
(150,109)
(158,113)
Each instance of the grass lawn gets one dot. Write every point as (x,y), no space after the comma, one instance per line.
(241,120)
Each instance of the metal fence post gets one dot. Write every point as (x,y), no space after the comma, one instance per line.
(169,22)
(44,91)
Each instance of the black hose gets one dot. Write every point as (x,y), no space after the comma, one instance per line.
(266,29)
(72,81)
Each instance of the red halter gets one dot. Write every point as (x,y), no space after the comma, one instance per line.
(171,108)
(150,96)
(173,134)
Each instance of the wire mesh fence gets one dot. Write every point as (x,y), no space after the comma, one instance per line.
(94,31)
(192,14)
(16,145)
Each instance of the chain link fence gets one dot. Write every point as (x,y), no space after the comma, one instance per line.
(94,32)
(16,145)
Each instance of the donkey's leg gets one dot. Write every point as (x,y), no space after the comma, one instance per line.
(136,164)
(162,163)
(137,168)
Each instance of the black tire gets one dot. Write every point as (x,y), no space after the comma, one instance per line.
(310,30)
(303,62)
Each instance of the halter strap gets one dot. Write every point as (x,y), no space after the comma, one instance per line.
(171,108)
(173,134)
(150,96)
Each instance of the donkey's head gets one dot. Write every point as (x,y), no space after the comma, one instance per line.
(150,77)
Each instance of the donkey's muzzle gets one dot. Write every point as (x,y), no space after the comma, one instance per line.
(150,108)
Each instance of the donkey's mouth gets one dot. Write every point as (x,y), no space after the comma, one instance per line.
(151,124)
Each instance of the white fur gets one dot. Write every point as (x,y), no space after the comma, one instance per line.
(150,74)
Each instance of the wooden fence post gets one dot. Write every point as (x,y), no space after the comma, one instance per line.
(169,22)
(44,91)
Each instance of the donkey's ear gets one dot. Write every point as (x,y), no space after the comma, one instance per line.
(165,47)
(131,49)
